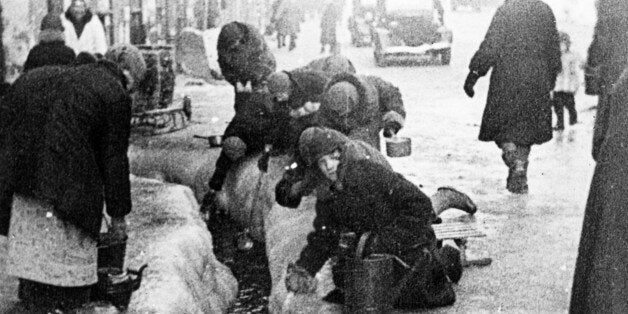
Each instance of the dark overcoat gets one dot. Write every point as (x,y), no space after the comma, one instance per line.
(49,53)
(600,282)
(329,21)
(243,54)
(68,142)
(521,47)
(608,53)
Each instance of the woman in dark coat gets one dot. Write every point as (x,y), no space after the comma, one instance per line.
(608,53)
(51,49)
(522,49)
(65,158)
(600,282)
(399,216)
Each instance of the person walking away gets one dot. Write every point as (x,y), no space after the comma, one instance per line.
(51,49)
(608,54)
(329,22)
(287,18)
(567,84)
(83,29)
(521,47)
(399,221)
(65,158)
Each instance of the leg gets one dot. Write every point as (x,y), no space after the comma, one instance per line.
(509,156)
(520,171)
(570,103)
(557,103)
(293,41)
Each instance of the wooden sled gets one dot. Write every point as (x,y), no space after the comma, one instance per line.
(460,232)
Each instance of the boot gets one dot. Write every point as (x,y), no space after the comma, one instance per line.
(517,181)
(448,197)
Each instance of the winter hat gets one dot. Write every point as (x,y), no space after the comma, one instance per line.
(129,58)
(234,147)
(340,97)
(279,82)
(564,38)
(316,142)
(52,22)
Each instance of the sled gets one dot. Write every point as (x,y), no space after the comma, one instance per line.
(460,232)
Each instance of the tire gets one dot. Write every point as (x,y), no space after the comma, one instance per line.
(445,57)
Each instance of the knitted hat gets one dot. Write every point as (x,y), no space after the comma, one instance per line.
(234,147)
(279,82)
(129,58)
(316,142)
(52,22)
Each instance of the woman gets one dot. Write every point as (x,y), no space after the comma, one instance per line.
(51,49)
(65,158)
(362,195)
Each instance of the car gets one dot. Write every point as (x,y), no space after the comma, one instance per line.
(411,31)
(360,22)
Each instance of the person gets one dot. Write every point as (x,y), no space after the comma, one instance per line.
(65,158)
(329,22)
(567,84)
(331,65)
(607,53)
(51,49)
(521,47)
(399,221)
(244,58)
(83,30)
(286,18)
(599,278)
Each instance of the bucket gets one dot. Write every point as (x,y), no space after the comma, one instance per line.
(368,283)
(111,251)
(398,147)
(117,286)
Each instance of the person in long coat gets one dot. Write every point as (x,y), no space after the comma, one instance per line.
(287,20)
(608,53)
(51,49)
(399,220)
(600,283)
(65,157)
(522,49)
(83,30)
(329,22)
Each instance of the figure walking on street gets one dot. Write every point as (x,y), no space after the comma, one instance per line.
(522,49)
(567,84)
(329,22)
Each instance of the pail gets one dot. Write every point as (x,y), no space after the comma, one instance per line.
(111,252)
(368,283)
(398,146)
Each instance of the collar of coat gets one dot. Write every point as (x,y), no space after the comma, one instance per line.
(79,25)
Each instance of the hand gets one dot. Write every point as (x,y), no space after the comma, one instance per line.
(298,280)
(391,129)
(117,231)
(472,78)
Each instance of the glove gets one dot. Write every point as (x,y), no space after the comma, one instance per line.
(472,78)
(391,128)
(262,162)
(298,280)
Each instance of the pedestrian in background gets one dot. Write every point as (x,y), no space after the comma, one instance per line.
(51,49)
(65,157)
(287,19)
(83,29)
(521,47)
(608,54)
(567,84)
(329,22)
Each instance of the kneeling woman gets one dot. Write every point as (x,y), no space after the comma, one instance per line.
(360,195)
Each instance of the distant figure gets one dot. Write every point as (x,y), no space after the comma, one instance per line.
(287,18)
(567,84)
(608,53)
(521,47)
(83,29)
(51,49)
(329,22)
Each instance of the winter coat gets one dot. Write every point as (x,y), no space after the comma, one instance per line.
(49,51)
(287,18)
(243,54)
(329,21)
(609,53)
(331,65)
(378,102)
(600,283)
(87,35)
(522,49)
(69,140)
(568,79)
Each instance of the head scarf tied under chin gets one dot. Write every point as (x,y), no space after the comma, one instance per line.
(315,142)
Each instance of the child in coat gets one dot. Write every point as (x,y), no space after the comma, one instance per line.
(567,84)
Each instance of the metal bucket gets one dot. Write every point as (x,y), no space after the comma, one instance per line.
(111,252)
(398,147)
(368,283)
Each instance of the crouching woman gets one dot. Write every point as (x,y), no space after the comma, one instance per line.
(359,196)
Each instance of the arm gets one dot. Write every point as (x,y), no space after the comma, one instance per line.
(390,105)
(488,53)
(321,243)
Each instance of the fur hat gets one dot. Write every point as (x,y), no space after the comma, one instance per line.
(52,22)
(129,58)
(316,142)
(279,82)
(341,97)
(234,147)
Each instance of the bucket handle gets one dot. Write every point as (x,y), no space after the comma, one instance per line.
(359,252)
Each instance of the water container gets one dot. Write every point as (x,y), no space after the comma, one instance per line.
(368,284)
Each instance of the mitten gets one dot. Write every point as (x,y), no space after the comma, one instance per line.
(472,78)
(298,280)
(391,128)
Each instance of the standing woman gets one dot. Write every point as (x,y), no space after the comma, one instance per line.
(51,49)
(329,22)
(65,157)
(521,47)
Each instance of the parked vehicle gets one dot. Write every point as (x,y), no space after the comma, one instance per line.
(361,22)
(411,31)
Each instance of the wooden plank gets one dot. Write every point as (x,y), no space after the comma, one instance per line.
(456,230)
